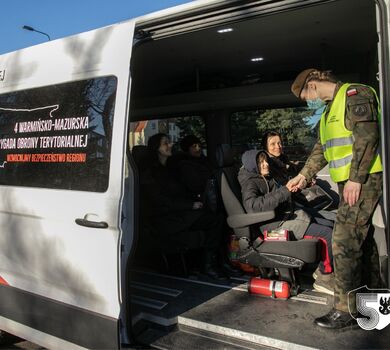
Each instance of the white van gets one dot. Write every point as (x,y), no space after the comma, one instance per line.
(69,210)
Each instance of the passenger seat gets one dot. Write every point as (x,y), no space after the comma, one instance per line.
(271,254)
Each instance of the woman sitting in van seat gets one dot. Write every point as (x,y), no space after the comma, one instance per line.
(174,215)
(282,170)
(260,192)
(194,168)
(196,173)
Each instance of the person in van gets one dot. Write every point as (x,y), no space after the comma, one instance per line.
(194,168)
(195,172)
(261,192)
(282,170)
(174,215)
(197,175)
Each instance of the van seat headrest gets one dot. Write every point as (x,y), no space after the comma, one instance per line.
(224,155)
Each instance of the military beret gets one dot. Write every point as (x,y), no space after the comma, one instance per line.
(299,82)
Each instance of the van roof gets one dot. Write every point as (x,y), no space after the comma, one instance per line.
(187,8)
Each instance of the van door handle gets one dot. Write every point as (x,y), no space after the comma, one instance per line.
(95,223)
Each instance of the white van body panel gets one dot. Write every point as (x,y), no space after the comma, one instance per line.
(47,253)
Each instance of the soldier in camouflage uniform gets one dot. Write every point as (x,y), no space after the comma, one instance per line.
(354,248)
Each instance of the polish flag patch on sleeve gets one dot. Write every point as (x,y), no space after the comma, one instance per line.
(351,92)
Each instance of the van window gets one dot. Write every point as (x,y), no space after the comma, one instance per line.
(297,126)
(176,128)
(58,136)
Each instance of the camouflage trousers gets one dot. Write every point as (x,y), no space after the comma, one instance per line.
(355,254)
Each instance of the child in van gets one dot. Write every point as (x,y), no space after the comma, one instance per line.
(260,192)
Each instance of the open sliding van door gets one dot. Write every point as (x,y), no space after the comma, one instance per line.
(63,108)
(380,218)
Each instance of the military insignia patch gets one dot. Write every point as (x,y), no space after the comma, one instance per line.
(373,306)
(360,110)
(352,92)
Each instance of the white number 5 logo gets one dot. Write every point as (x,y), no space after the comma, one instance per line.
(376,308)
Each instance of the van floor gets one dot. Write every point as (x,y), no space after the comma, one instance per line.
(173,313)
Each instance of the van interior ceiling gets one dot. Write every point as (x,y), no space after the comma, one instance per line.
(207,70)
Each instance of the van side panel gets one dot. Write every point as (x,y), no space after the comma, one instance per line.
(59,268)
(74,325)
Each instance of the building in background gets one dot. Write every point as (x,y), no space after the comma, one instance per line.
(141,131)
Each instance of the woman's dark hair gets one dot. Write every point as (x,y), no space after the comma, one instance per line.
(188,141)
(154,142)
(266,136)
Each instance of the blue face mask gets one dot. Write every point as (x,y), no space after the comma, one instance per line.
(315,104)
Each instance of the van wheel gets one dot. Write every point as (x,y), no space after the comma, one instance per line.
(8,338)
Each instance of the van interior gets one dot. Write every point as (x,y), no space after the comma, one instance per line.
(222,69)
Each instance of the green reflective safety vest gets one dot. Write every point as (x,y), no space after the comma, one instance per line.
(337,140)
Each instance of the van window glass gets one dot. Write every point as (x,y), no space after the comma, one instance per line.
(175,128)
(298,127)
(58,136)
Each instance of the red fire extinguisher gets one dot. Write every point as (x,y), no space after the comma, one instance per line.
(269,288)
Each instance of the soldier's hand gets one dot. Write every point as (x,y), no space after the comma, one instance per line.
(297,183)
(351,192)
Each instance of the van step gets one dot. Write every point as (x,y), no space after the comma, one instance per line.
(188,338)
(250,340)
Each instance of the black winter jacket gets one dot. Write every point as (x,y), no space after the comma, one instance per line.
(163,193)
(194,173)
(260,193)
(281,169)
(167,209)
